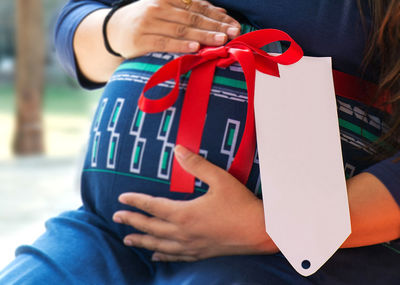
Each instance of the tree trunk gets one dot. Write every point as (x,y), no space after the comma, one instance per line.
(30,53)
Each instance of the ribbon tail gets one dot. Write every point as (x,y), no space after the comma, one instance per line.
(257,39)
(243,161)
(191,123)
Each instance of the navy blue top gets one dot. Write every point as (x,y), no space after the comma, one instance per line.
(321,27)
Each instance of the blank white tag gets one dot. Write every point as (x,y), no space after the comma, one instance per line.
(302,177)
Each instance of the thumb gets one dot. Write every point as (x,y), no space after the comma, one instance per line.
(199,166)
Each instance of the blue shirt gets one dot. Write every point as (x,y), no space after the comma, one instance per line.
(322,28)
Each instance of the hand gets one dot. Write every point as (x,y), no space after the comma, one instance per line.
(168,26)
(227,220)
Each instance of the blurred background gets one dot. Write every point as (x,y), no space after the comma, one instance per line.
(44,122)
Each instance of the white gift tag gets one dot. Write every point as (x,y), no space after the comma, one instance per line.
(302,177)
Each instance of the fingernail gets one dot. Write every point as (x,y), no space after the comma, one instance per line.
(181,152)
(220,37)
(233,31)
(117,219)
(234,23)
(155,258)
(193,46)
(128,242)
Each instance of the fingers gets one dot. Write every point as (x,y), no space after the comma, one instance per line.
(206,9)
(226,24)
(150,43)
(156,206)
(165,26)
(158,256)
(153,243)
(149,225)
(222,10)
(200,167)
(184,32)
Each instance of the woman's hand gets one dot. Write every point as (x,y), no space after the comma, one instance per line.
(227,220)
(148,26)
(168,26)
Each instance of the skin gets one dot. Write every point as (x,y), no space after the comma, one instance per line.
(149,26)
(188,230)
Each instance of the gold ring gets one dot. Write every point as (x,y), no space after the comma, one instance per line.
(187,2)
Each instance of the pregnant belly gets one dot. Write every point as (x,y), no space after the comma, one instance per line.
(132,151)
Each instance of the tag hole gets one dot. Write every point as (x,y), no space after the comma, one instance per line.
(306,264)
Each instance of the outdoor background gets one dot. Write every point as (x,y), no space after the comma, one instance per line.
(35,187)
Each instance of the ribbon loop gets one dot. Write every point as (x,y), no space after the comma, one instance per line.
(257,39)
(246,50)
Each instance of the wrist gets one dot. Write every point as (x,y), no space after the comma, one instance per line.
(262,242)
(110,27)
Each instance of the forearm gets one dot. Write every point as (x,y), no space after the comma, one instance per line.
(94,61)
(375,215)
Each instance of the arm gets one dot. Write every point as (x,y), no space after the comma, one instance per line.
(94,61)
(134,30)
(188,230)
(375,215)
(374,198)
(70,17)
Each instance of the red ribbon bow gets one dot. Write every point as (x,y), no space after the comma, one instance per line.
(245,49)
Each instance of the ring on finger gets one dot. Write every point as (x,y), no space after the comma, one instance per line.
(187,3)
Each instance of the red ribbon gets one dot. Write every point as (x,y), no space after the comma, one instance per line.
(355,88)
(244,49)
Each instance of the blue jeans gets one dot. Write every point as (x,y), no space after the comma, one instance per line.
(78,248)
